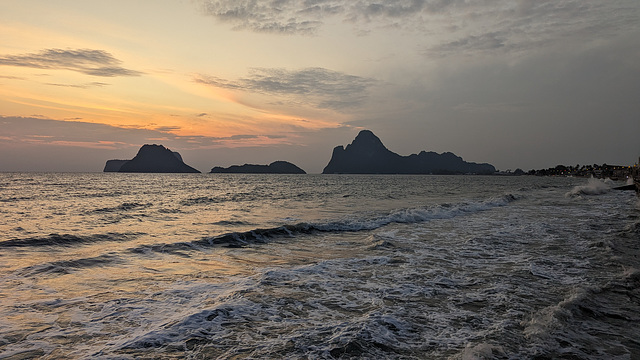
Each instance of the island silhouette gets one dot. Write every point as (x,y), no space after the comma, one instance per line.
(151,159)
(367,155)
(276,167)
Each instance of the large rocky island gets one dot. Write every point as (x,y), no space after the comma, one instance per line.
(367,155)
(276,167)
(151,159)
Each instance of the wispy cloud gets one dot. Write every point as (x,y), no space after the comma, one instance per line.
(470,44)
(11,77)
(276,16)
(306,16)
(85,61)
(167,129)
(80,86)
(453,25)
(75,132)
(319,87)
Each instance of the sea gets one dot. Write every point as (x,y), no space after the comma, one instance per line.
(231,266)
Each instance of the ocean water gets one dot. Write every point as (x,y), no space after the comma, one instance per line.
(206,266)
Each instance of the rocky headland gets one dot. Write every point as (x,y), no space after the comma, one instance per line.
(367,155)
(151,159)
(114,165)
(276,167)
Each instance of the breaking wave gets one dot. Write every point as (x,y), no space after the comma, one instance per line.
(593,187)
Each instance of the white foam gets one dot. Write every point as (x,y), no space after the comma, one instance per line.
(415,215)
(430,279)
(482,351)
(593,187)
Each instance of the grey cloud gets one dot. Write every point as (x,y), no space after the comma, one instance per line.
(320,87)
(49,131)
(167,128)
(393,8)
(80,86)
(514,27)
(277,16)
(212,140)
(462,26)
(85,61)
(220,140)
(240,137)
(470,44)
(217,82)
(306,16)
(318,9)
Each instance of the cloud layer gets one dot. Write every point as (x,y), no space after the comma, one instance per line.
(36,130)
(453,25)
(306,16)
(85,61)
(317,86)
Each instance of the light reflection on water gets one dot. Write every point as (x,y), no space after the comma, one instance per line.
(444,266)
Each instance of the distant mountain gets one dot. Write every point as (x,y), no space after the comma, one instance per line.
(276,167)
(367,155)
(151,159)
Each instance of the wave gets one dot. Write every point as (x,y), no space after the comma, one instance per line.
(281,324)
(236,197)
(586,317)
(593,187)
(230,197)
(66,240)
(350,224)
(200,200)
(67,266)
(231,223)
(123,207)
(15,199)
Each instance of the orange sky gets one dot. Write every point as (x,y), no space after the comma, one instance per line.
(485,81)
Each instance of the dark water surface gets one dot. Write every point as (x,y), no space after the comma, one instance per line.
(317,266)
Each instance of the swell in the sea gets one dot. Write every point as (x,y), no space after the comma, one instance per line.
(353,223)
(65,240)
(350,224)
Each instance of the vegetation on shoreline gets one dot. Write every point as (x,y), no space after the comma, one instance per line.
(595,170)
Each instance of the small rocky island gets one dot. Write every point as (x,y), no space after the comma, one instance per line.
(367,155)
(151,159)
(276,167)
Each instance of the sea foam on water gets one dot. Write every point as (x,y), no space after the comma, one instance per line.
(593,187)
(420,267)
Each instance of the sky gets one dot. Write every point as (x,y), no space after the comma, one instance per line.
(524,84)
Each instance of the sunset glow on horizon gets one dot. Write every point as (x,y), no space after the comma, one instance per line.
(290,81)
